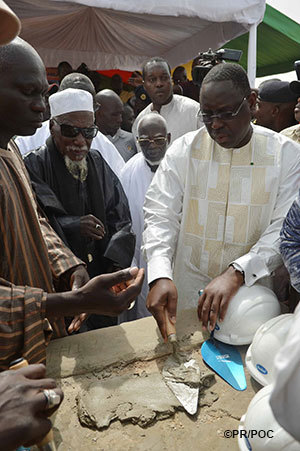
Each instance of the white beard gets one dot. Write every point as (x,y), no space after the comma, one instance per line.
(78,169)
(153,163)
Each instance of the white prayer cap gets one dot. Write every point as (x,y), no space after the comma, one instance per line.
(70,100)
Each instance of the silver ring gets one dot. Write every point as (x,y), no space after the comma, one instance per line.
(98,226)
(52,398)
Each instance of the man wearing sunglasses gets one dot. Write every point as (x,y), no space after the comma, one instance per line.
(100,142)
(214,210)
(80,194)
(136,177)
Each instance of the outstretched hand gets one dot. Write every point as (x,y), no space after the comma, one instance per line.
(108,294)
(111,294)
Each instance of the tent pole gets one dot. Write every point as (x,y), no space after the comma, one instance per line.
(251,63)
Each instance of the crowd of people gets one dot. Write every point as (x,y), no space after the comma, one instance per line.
(119,204)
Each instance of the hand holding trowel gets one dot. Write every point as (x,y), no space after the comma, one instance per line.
(181,373)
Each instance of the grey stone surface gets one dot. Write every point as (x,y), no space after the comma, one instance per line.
(118,345)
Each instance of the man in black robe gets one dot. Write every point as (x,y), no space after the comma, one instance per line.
(81,196)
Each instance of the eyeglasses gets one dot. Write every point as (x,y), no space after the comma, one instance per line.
(69,131)
(225,116)
(158,142)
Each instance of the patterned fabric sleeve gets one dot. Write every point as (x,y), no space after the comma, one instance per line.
(61,260)
(61,257)
(290,243)
(24,331)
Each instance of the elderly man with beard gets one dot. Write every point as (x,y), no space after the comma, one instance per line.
(136,177)
(100,142)
(80,194)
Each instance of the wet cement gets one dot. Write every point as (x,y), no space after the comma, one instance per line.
(139,399)
(181,368)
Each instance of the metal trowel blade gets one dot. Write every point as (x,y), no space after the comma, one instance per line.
(181,373)
(187,396)
(174,375)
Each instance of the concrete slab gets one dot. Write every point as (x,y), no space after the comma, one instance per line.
(129,342)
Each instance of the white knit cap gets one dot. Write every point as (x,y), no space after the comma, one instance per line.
(70,100)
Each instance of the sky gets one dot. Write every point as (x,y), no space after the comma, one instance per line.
(290,8)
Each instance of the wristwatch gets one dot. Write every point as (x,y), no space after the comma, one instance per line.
(237,268)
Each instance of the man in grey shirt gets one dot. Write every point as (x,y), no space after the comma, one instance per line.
(109,119)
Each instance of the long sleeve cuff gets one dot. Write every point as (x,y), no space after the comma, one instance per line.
(158,268)
(253,266)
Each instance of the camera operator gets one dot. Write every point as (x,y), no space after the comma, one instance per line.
(201,65)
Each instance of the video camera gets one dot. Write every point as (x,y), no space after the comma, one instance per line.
(207,60)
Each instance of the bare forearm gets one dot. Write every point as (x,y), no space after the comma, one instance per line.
(68,303)
(98,295)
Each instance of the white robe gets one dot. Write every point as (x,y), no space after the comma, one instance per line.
(180,115)
(136,177)
(100,143)
(208,206)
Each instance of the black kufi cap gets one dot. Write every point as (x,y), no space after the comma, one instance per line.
(277,91)
(295,87)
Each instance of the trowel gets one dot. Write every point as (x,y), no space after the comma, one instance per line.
(181,373)
(226,361)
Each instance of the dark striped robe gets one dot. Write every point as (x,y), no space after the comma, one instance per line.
(32,255)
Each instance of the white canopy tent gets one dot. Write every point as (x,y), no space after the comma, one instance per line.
(122,34)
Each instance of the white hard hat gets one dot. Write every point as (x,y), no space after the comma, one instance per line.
(261,430)
(249,308)
(265,345)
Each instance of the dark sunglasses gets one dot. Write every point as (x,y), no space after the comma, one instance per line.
(69,131)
